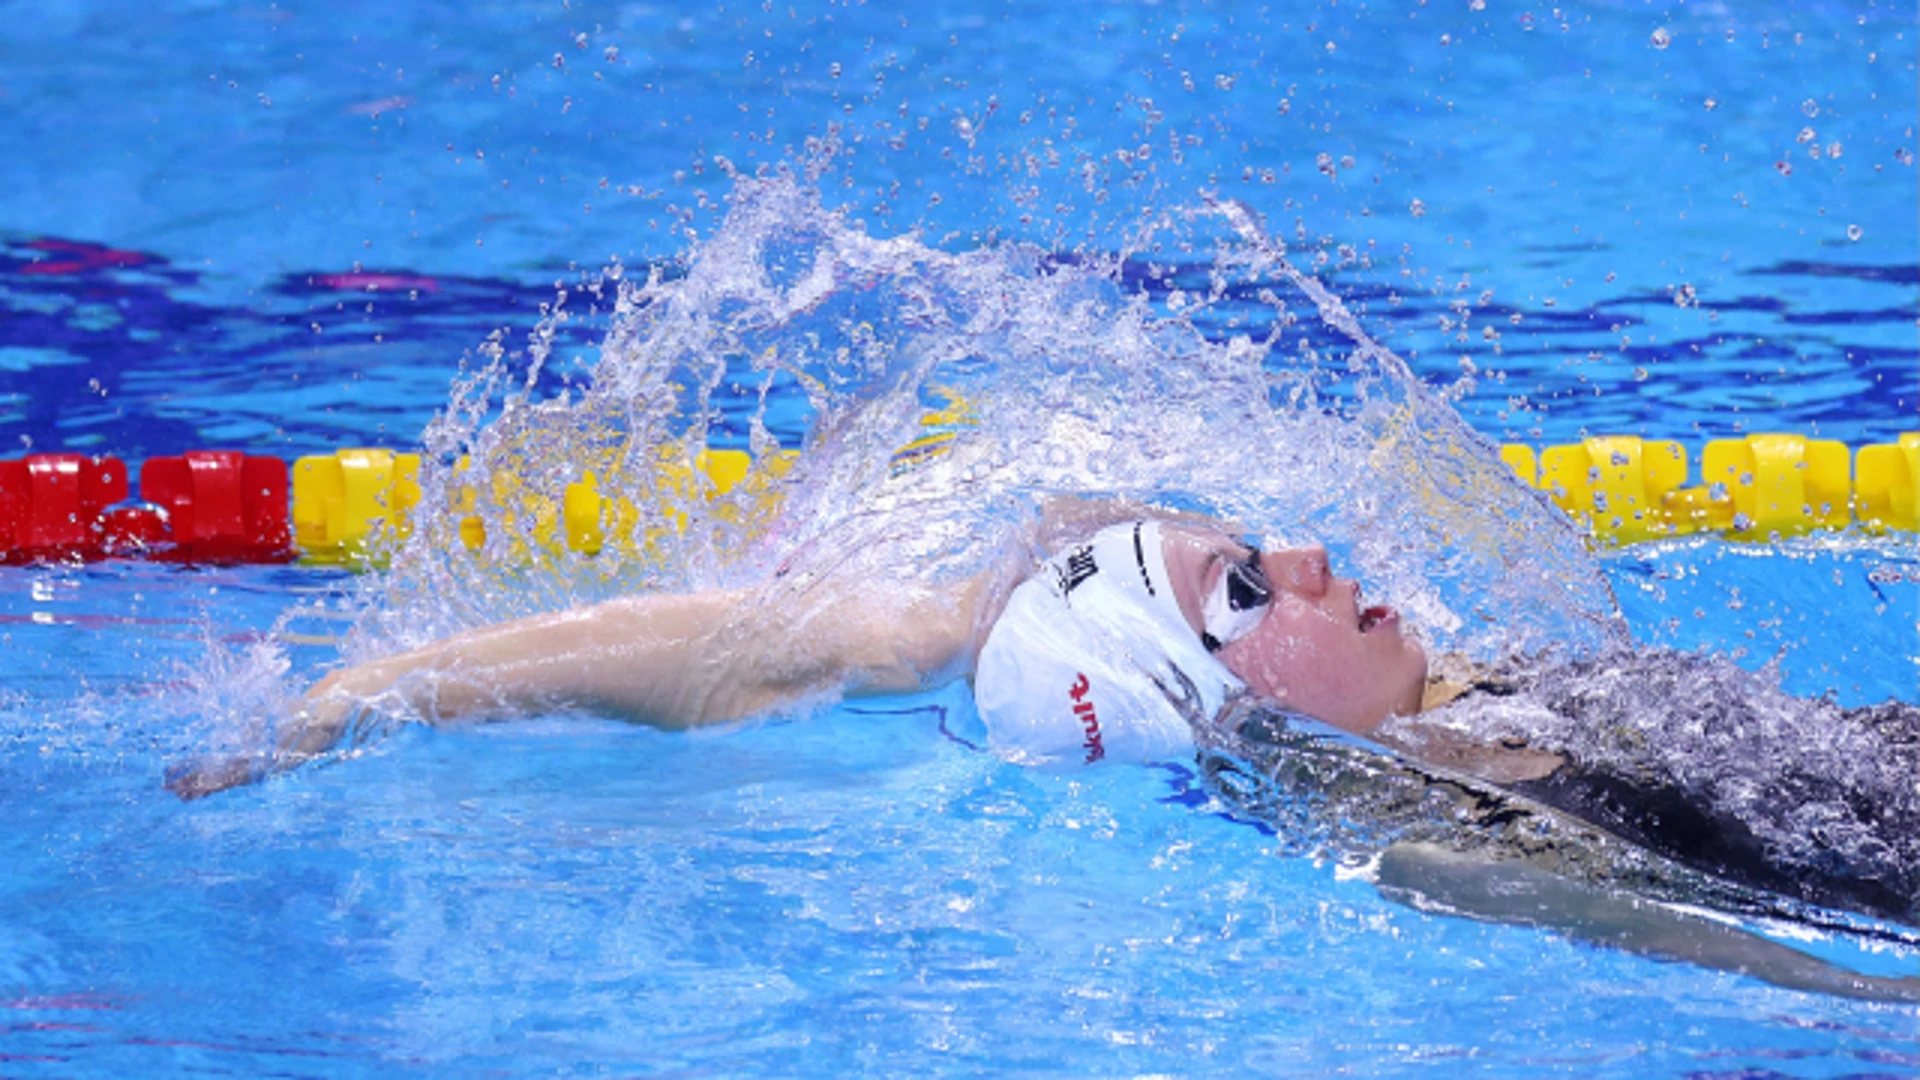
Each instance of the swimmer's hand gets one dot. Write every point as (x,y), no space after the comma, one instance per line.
(316,727)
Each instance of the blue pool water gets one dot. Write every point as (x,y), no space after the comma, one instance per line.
(286,229)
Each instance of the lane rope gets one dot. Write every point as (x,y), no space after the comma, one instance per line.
(226,506)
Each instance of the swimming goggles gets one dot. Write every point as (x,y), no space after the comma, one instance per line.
(1237,603)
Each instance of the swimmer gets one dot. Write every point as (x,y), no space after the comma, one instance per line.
(1141,630)
(1113,649)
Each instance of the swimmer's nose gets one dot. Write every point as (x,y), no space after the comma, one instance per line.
(1301,570)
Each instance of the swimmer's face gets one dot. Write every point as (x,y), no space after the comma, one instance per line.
(1313,646)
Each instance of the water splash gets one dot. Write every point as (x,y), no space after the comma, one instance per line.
(1197,368)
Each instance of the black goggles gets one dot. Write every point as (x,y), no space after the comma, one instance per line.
(1236,603)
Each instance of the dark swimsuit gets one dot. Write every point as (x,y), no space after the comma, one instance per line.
(1631,822)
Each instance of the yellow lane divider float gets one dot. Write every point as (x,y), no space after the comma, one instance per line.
(1762,487)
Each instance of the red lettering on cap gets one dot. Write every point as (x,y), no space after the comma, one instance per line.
(1083,708)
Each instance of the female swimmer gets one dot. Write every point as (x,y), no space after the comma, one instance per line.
(1123,645)
(1113,649)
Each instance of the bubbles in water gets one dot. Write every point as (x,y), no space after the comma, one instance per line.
(1854,232)
(1661,38)
(1417,208)
(1806,136)
(1711,104)
(1810,107)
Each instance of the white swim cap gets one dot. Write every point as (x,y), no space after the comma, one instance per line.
(1092,659)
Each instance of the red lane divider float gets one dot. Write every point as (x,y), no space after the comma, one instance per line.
(221,505)
(53,506)
(203,506)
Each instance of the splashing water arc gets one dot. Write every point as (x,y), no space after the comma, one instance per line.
(1079,381)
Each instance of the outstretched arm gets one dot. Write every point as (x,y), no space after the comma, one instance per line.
(1428,876)
(672,661)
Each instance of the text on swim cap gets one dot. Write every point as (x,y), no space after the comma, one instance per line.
(1079,567)
(1083,708)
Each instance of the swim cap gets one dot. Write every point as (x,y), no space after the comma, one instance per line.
(1092,659)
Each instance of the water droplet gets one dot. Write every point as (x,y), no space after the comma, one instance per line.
(1806,136)
(1418,208)
(1854,232)
(1640,374)
(1661,39)
(1446,39)
(1810,107)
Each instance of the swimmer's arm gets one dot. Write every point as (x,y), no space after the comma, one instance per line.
(671,661)
(1427,876)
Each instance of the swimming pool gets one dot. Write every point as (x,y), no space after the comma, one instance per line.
(282,232)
